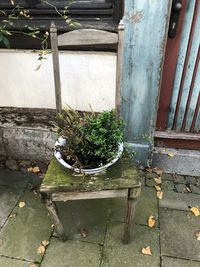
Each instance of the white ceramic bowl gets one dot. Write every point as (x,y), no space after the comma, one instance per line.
(62,142)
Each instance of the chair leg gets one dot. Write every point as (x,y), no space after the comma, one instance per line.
(131,207)
(53,213)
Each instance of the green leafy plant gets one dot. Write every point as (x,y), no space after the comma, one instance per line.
(92,139)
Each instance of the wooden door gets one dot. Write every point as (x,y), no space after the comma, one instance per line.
(178,120)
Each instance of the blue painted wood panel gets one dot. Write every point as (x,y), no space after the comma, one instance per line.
(146,23)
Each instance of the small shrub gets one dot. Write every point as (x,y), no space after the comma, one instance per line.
(92,139)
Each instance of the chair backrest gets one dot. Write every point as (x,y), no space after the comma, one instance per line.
(86,37)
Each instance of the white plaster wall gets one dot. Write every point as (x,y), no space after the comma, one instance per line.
(86,77)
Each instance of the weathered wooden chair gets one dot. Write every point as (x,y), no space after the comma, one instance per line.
(121,179)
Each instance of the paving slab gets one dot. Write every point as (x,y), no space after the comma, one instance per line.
(7,262)
(23,233)
(179,201)
(147,205)
(178,234)
(90,215)
(17,179)
(71,254)
(115,254)
(174,262)
(166,184)
(8,199)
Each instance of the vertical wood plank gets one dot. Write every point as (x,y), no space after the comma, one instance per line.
(56,67)
(146,27)
(119,68)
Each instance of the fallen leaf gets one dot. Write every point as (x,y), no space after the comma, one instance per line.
(157,187)
(146,251)
(158,180)
(45,243)
(159,194)
(195,211)
(22,204)
(33,265)
(36,169)
(13,215)
(171,155)
(83,232)
(41,249)
(148,170)
(157,171)
(188,189)
(197,235)
(151,221)
(38,67)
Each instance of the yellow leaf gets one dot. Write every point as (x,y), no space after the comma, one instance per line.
(36,169)
(171,155)
(157,171)
(30,169)
(151,221)
(41,250)
(13,215)
(45,243)
(22,204)
(146,251)
(157,187)
(197,234)
(195,211)
(159,194)
(158,180)
(148,170)
(39,66)
(83,232)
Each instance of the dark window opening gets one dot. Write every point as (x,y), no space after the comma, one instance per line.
(99,14)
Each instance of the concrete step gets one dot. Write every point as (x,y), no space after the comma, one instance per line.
(181,161)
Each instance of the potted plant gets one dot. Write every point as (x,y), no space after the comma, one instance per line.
(88,143)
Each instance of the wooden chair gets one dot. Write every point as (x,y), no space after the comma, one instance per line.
(122,179)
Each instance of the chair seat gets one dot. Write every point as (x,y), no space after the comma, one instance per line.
(121,175)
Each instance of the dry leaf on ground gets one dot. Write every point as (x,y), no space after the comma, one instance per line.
(36,169)
(188,189)
(151,221)
(13,215)
(30,169)
(171,155)
(148,170)
(22,204)
(197,235)
(41,249)
(158,171)
(83,232)
(146,251)
(157,187)
(45,243)
(195,211)
(159,194)
(158,180)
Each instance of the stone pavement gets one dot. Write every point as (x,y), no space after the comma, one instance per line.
(95,227)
